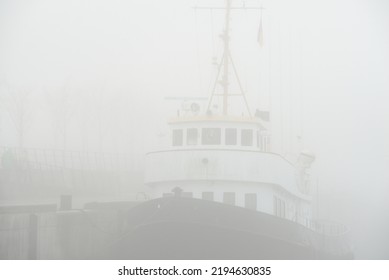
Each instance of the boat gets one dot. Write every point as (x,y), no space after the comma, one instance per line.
(219,191)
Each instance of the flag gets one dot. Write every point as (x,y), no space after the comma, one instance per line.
(263,115)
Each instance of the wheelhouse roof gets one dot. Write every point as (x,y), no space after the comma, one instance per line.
(216,119)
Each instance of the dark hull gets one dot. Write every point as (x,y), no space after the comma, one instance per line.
(184,228)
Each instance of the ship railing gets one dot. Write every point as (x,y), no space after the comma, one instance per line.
(46,159)
(38,169)
(329,228)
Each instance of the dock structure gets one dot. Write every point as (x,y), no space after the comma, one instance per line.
(27,173)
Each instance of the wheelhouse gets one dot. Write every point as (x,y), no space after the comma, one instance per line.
(219,133)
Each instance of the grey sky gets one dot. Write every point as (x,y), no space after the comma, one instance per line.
(325,65)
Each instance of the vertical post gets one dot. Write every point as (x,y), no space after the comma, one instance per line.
(33,237)
(226,57)
(120,221)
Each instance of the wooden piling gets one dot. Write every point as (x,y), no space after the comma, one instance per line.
(33,237)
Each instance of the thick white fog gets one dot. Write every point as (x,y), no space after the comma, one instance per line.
(96,76)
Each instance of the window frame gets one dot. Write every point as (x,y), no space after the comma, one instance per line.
(243,137)
(175,138)
(235,137)
(204,134)
(196,138)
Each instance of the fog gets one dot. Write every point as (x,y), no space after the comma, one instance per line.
(104,76)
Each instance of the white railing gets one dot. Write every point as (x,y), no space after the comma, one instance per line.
(329,228)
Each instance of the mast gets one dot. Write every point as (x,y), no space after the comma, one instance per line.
(224,65)
(226,38)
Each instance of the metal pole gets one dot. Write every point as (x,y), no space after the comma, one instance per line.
(226,38)
(33,237)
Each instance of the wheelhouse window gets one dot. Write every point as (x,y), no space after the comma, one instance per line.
(178,137)
(231,136)
(191,136)
(211,136)
(229,198)
(207,196)
(247,137)
(250,201)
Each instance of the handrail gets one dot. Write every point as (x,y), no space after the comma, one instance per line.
(328,227)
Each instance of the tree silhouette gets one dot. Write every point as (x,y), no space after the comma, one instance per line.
(61,109)
(18,105)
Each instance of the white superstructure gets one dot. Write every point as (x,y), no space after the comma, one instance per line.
(229,159)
